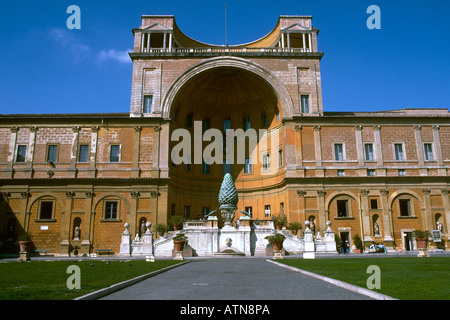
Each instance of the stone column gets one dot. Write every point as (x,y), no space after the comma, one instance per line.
(135,170)
(302,205)
(24,214)
(125,244)
(387,221)
(322,210)
(298,151)
(381,170)
(73,156)
(360,151)
(64,246)
(419,147)
(30,155)
(93,153)
(446,203)
(438,151)
(320,172)
(9,172)
(365,216)
(89,216)
(427,216)
(133,212)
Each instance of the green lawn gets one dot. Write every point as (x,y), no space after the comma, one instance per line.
(46,280)
(405,278)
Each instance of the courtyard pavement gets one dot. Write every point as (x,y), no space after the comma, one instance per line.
(233,279)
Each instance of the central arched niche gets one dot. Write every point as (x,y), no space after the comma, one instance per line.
(214,97)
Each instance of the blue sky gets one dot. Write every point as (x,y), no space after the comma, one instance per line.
(47,68)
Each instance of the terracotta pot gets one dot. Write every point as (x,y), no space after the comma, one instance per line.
(422,243)
(277,245)
(357,250)
(24,245)
(178,245)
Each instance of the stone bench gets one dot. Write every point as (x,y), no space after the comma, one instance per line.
(102,251)
(44,251)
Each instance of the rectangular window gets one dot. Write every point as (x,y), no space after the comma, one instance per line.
(52,152)
(249,210)
(305,103)
(371,172)
(368,148)
(402,172)
(267,212)
(246,123)
(428,148)
(341,173)
(282,208)
(338,151)
(226,125)
(205,167)
(148,104)
(21,153)
(188,123)
(264,122)
(111,209)
(226,167)
(399,154)
(187,211)
(404,207)
(266,162)
(342,208)
(206,124)
(205,211)
(114,155)
(280,158)
(83,155)
(248,167)
(373,204)
(46,210)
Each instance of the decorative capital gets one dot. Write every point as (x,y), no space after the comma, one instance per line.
(317,128)
(135,194)
(157,128)
(14,129)
(358,128)
(436,127)
(321,193)
(70,195)
(384,192)
(154,194)
(297,128)
(417,127)
(95,129)
(34,129)
(365,193)
(376,127)
(137,129)
(76,129)
(426,191)
(6,195)
(25,195)
(444,192)
(301,193)
(89,195)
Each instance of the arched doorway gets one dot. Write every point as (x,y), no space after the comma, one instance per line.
(205,106)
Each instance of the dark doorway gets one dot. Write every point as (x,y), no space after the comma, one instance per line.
(409,244)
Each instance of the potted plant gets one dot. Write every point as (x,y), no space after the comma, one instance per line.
(279,221)
(176,222)
(422,238)
(294,227)
(358,243)
(24,242)
(179,241)
(276,240)
(161,228)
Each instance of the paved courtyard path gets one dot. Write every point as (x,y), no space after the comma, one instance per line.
(233,279)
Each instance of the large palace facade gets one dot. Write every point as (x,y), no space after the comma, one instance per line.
(74,180)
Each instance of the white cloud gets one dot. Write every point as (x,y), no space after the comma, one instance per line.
(115,55)
(67,40)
